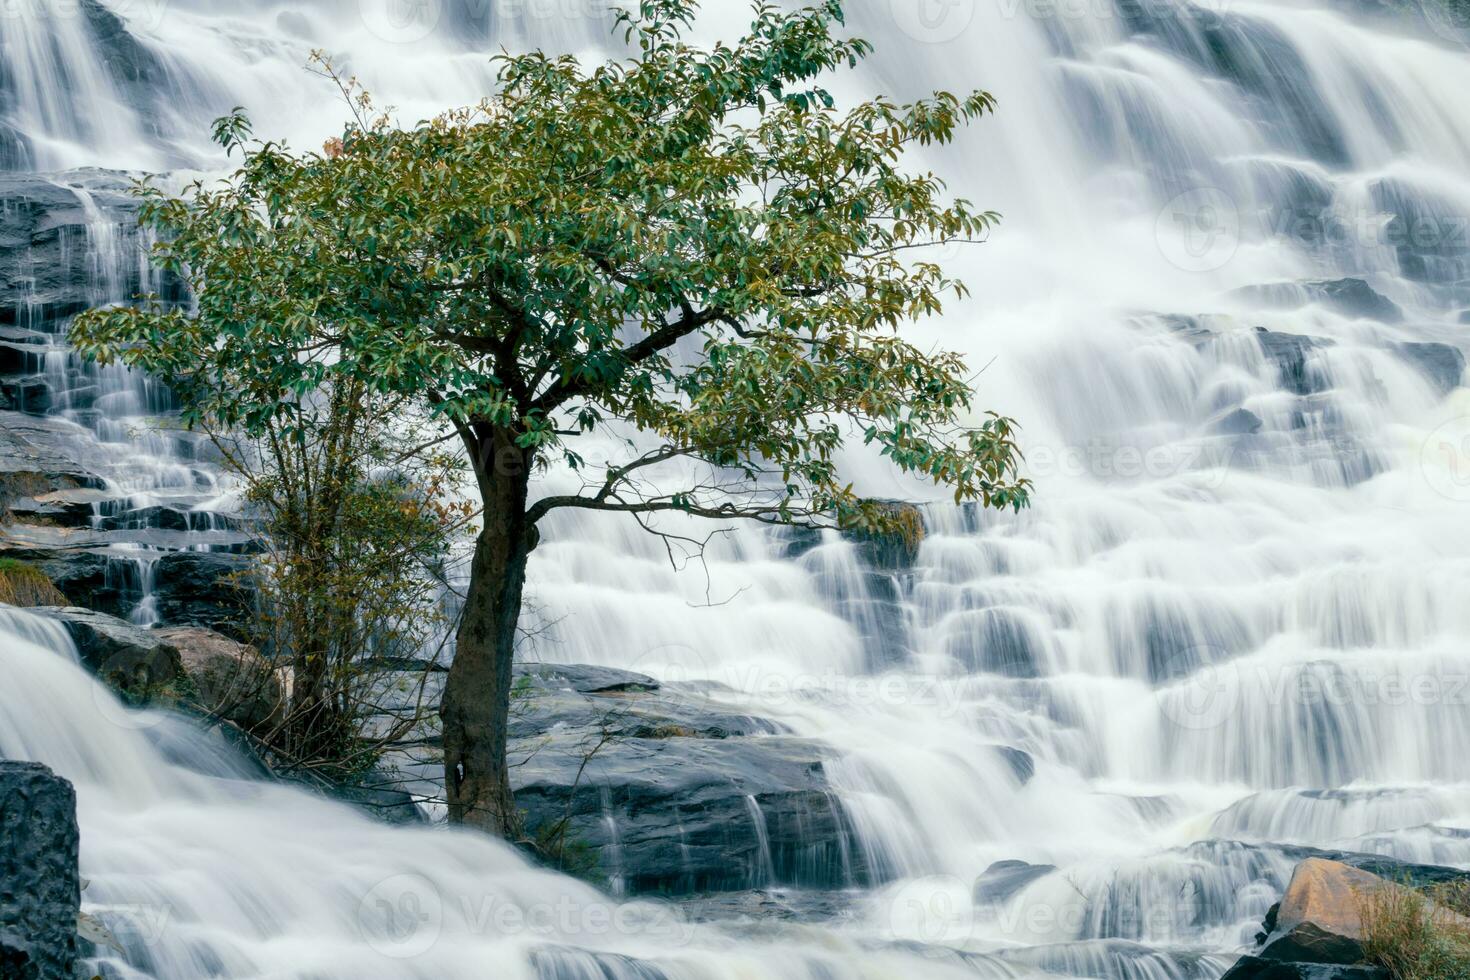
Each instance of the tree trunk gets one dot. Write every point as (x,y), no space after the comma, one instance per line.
(476,706)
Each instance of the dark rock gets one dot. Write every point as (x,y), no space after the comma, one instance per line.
(1290,352)
(137,663)
(29,395)
(1354,297)
(1255,968)
(1350,297)
(1023,765)
(1003,879)
(1440,363)
(40,887)
(1465,316)
(1237,423)
(1309,943)
(204,589)
(107,583)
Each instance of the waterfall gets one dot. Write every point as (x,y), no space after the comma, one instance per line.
(1228,305)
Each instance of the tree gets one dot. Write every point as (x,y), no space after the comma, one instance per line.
(691,244)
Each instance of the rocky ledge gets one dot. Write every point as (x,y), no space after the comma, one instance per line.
(654,788)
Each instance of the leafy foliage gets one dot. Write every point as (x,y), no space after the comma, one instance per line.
(696,243)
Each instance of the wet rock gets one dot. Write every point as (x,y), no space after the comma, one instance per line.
(229,679)
(997,641)
(40,887)
(36,457)
(139,664)
(676,798)
(1004,879)
(61,508)
(661,789)
(106,583)
(1290,352)
(894,548)
(1440,363)
(1465,316)
(1255,968)
(1237,423)
(1350,297)
(1427,231)
(204,589)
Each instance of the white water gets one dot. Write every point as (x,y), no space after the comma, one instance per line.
(1208,644)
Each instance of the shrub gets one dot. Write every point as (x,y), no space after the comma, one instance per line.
(1418,935)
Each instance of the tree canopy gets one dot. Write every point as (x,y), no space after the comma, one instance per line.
(696,242)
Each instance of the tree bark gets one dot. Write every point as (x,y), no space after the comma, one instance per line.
(476,705)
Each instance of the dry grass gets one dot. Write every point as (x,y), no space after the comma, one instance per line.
(26,585)
(1411,933)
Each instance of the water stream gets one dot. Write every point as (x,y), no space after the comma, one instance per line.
(1225,304)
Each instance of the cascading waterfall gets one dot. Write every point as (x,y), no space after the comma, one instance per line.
(1226,304)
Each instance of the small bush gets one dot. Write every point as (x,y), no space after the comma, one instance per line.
(1415,935)
(22,584)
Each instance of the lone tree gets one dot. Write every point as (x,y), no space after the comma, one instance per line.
(690,245)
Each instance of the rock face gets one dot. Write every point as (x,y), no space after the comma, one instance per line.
(40,889)
(228,678)
(208,589)
(1442,364)
(1255,968)
(651,788)
(137,663)
(679,796)
(1350,297)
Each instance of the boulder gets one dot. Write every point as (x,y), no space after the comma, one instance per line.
(137,663)
(1320,919)
(655,788)
(1350,297)
(1255,968)
(1440,363)
(1004,879)
(40,887)
(1237,423)
(229,679)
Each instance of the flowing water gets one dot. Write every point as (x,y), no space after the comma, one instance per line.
(1233,622)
